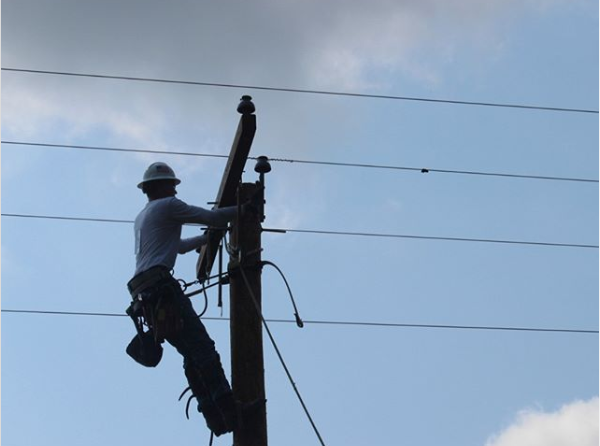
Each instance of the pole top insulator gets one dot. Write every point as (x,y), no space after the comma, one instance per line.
(262,165)
(246,107)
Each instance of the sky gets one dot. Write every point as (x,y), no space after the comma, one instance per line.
(425,381)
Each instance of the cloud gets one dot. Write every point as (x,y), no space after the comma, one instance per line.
(358,45)
(575,424)
(294,43)
(347,45)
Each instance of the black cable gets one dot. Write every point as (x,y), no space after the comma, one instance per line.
(111,149)
(456,327)
(429,170)
(64,313)
(305,91)
(299,322)
(205,302)
(314,162)
(322,232)
(281,360)
(426,237)
(54,217)
(340,323)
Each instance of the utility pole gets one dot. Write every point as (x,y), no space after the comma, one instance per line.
(247,361)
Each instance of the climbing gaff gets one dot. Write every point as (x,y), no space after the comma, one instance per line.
(187,405)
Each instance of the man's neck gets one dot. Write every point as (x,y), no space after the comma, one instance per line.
(158,197)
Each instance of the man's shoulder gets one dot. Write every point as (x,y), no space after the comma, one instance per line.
(164,202)
(176,203)
(158,206)
(170,207)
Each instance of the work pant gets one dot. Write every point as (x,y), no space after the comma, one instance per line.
(190,339)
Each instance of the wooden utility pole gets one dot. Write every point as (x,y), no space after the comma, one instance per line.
(247,362)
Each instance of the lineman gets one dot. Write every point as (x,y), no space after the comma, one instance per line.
(159,300)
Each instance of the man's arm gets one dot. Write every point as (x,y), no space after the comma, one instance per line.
(189,244)
(185,213)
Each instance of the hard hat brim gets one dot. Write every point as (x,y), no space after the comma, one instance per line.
(176,180)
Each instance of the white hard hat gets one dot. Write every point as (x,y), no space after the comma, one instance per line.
(159,171)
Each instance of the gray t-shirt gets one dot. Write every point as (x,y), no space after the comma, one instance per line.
(158,230)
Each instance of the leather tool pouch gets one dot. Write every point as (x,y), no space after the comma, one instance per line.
(166,320)
(145,350)
(163,313)
(159,310)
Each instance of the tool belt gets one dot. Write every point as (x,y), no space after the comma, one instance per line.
(155,304)
(146,279)
(157,309)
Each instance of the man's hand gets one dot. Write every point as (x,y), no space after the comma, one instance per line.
(208,235)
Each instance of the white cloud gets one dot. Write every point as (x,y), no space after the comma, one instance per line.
(575,424)
(358,43)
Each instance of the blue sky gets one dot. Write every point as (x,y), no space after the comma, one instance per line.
(66,379)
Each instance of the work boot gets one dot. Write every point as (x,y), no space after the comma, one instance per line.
(228,408)
(213,417)
(213,377)
(206,406)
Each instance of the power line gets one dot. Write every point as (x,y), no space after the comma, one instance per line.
(310,162)
(336,233)
(112,149)
(338,323)
(304,91)
(428,170)
(53,217)
(426,237)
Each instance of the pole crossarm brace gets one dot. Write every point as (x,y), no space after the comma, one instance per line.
(226,196)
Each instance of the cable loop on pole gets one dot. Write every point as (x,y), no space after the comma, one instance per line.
(299,322)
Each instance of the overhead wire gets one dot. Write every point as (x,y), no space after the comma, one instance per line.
(64,218)
(334,233)
(112,149)
(427,237)
(310,162)
(303,91)
(338,323)
(434,170)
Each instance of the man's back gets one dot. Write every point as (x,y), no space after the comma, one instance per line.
(157,235)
